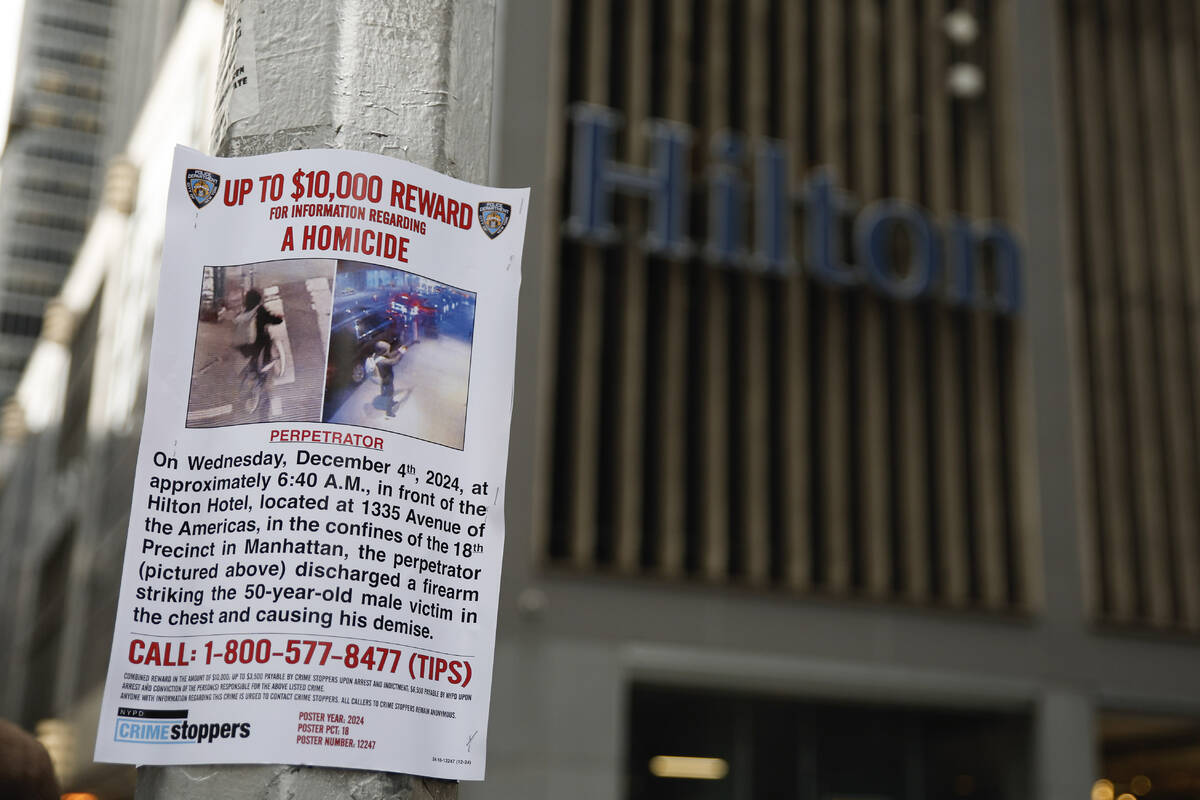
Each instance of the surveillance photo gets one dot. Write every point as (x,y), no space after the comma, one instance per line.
(399,353)
(261,343)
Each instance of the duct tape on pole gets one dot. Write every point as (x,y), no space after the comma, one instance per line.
(410,79)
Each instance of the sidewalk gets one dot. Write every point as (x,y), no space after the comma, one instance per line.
(430,394)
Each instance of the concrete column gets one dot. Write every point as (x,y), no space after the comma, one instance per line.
(405,78)
(1065,746)
(1038,127)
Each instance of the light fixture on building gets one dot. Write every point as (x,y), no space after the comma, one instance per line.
(705,769)
(532,601)
(58,322)
(12,422)
(1140,785)
(120,185)
(1102,789)
(965,81)
(1126,796)
(58,737)
(961,27)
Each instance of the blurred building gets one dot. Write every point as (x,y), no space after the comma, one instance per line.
(82,71)
(72,424)
(857,423)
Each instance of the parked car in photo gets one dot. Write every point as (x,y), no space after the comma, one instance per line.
(350,342)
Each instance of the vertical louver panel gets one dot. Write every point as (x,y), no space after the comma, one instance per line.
(724,416)
(1131,75)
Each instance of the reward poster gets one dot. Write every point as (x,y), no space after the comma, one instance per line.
(313,560)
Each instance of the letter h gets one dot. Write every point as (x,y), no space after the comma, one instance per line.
(595,176)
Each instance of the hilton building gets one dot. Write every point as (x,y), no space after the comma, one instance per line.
(856,438)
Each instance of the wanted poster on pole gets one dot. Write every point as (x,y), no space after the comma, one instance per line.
(313,560)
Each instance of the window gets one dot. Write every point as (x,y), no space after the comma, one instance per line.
(75,25)
(62,154)
(86,58)
(45,219)
(20,324)
(40,253)
(58,82)
(52,186)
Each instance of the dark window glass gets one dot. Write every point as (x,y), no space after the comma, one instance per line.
(20,324)
(773,747)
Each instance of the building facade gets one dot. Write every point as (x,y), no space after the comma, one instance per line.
(857,420)
(82,72)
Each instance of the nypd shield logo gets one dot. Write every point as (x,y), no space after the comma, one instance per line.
(493,218)
(202,186)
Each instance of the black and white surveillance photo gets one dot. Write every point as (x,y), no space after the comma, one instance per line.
(261,343)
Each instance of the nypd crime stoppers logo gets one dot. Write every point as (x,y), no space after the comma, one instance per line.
(171,726)
(201,186)
(493,218)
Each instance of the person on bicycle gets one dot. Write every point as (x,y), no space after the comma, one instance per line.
(254,309)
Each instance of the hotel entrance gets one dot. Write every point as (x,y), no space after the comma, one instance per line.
(699,745)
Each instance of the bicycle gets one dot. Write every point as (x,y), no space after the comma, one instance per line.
(254,380)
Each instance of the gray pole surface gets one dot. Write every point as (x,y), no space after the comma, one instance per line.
(406,78)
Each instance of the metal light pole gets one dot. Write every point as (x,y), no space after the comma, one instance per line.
(404,78)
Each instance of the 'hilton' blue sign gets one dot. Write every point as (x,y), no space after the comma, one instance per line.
(941,264)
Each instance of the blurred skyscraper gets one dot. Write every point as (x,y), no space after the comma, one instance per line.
(82,71)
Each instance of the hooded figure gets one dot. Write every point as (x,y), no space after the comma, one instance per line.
(256,311)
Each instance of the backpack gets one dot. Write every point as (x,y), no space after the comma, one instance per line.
(243,326)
